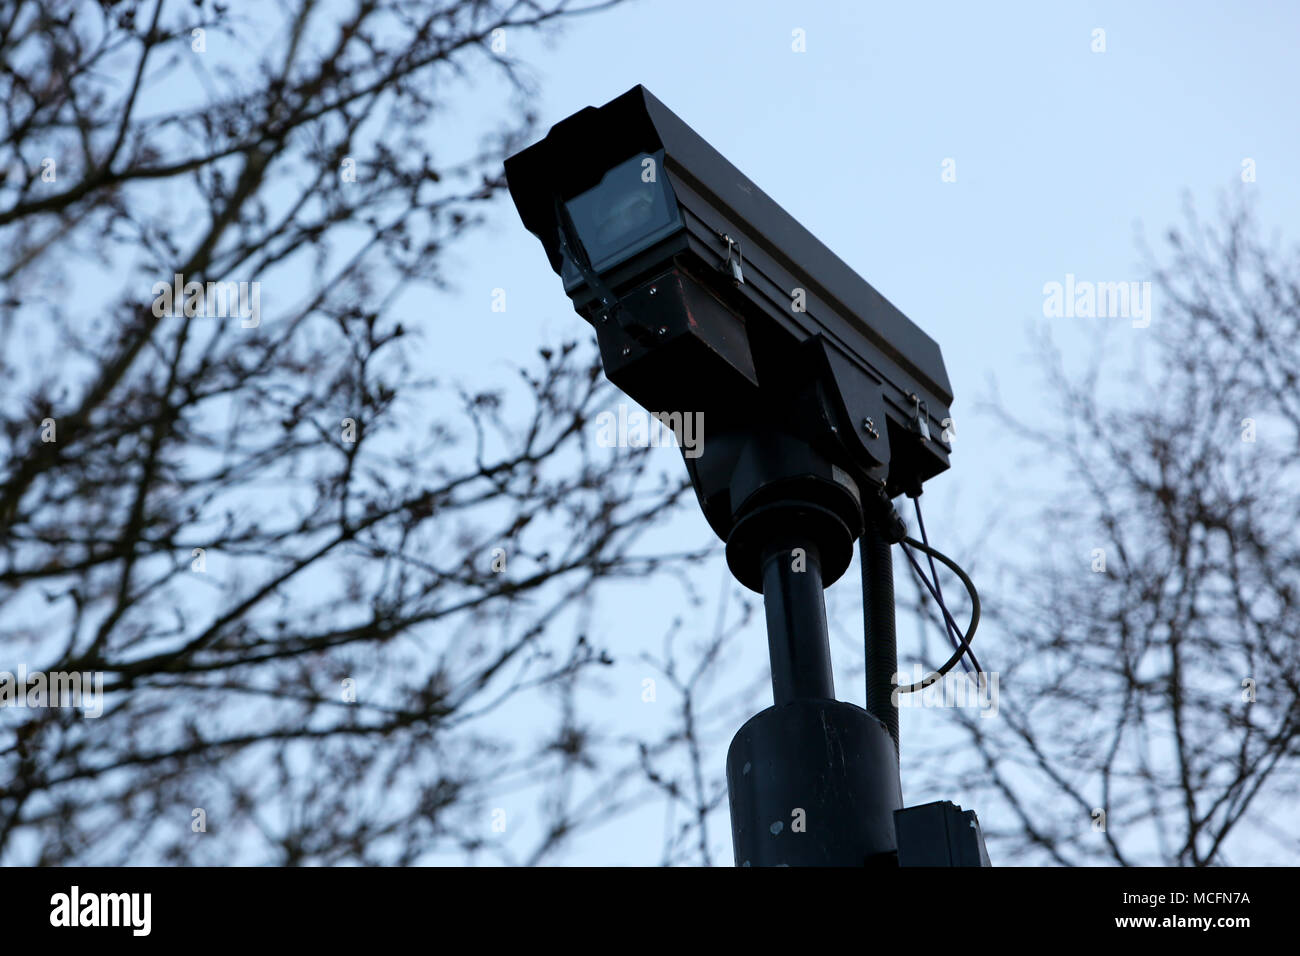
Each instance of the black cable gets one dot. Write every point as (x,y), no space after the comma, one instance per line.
(966,648)
(957,655)
(975,611)
(948,624)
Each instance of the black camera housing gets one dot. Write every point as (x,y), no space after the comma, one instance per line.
(716,300)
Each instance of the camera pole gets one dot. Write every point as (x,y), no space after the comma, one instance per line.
(797,639)
(878,613)
(813,781)
(709,298)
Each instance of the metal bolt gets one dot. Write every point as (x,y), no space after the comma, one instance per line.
(654,290)
(663,330)
(870,426)
(626,350)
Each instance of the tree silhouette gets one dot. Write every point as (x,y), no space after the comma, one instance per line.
(312,577)
(1148,655)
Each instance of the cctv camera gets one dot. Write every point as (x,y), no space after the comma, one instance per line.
(706,296)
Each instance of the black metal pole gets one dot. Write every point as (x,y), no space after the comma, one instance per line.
(797,638)
(881,638)
(813,781)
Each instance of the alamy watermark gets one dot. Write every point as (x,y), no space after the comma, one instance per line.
(214,300)
(55,689)
(75,908)
(635,428)
(1094,300)
(954,689)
